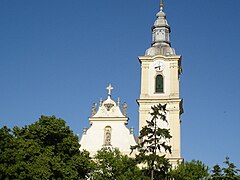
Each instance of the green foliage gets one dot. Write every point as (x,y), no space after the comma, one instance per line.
(152,140)
(230,172)
(47,149)
(112,165)
(216,173)
(194,170)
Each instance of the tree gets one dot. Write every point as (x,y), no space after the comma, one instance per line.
(216,173)
(6,151)
(112,165)
(194,170)
(152,140)
(47,149)
(231,171)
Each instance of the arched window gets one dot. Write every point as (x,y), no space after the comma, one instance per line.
(159,84)
(107,135)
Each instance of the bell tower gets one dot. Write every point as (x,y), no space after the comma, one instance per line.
(160,73)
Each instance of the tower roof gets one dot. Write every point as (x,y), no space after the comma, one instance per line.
(161,20)
(160,36)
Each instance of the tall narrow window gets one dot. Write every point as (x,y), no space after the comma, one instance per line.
(107,136)
(159,84)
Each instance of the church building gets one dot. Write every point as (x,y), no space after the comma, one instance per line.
(160,74)
(108,127)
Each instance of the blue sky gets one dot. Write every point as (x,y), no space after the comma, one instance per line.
(58,56)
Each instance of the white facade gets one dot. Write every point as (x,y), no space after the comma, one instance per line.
(108,128)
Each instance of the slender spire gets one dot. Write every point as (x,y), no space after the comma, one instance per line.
(161,5)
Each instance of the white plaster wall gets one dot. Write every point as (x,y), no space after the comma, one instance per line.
(148,97)
(121,137)
(166,75)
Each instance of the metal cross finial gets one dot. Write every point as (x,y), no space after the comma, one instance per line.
(161,5)
(109,88)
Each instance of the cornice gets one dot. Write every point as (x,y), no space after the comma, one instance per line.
(166,58)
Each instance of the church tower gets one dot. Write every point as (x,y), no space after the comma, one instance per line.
(160,71)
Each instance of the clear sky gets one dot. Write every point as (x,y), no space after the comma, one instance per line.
(58,56)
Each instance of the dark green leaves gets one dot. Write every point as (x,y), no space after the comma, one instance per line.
(152,141)
(112,165)
(47,149)
(194,170)
(228,172)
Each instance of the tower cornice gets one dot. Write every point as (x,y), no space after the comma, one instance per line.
(154,100)
(166,58)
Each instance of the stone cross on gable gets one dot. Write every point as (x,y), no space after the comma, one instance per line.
(109,88)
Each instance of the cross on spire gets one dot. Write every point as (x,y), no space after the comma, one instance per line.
(109,88)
